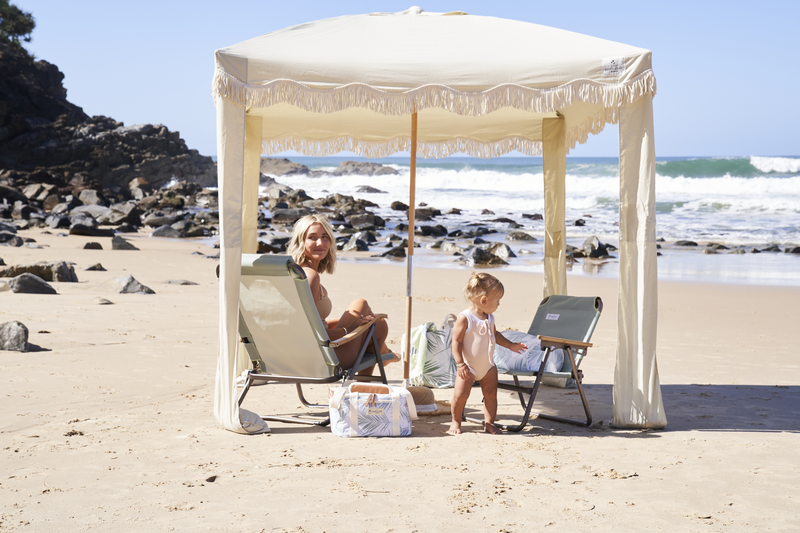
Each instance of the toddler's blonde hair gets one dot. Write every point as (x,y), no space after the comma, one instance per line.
(480,284)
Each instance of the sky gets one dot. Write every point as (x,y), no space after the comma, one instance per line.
(727,71)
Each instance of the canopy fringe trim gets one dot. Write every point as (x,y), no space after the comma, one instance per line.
(317,100)
(379,149)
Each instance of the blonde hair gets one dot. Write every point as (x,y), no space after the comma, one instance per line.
(482,284)
(296,246)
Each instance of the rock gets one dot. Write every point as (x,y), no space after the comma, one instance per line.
(30,284)
(128,285)
(773,248)
(435,245)
(430,231)
(88,231)
(755,251)
(595,249)
(739,251)
(4,286)
(347,168)
(101,301)
(288,216)
(10,228)
(579,222)
(14,336)
(167,232)
(92,246)
(2,263)
(454,211)
(355,245)
(58,221)
(520,236)
(180,282)
(362,218)
(187,228)
(97,267)
(685,243)
(94,211)
(427,212)
(118,243)
(282,167)
(127,213)
(709,251)
(525,251)
(156,220)
(501,250)
(396,251)
(9,239)
(487,212)
(478,240)
(792,250)
(47,271)
(399,206)
(126,228)
(717,246)
(83,219)
(452,247)
(367,188)
(479,256)
(92,197)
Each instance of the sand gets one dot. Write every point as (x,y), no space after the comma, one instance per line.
(110,426)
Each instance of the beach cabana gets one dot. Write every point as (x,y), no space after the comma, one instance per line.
(436,84)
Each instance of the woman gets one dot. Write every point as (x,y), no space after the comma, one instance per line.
(312,246)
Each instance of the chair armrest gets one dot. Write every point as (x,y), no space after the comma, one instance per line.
(356,332)
(555,342)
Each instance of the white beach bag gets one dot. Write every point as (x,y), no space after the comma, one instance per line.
(362,410)
(432,363)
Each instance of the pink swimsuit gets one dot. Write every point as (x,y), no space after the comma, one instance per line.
(478,344)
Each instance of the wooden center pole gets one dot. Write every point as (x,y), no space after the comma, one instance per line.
(410,254)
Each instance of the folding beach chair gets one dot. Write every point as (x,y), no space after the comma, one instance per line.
(561,322)
(285,337)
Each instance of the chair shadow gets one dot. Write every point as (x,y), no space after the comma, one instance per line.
(694,407)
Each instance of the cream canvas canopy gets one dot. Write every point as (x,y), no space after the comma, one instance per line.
(437,84)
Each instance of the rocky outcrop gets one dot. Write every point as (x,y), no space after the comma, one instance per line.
(44,139)
(48,271)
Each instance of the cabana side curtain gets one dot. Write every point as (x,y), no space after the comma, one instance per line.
(283,91)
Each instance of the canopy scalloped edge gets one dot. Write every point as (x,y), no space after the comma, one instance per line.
(317,100)
(434,150)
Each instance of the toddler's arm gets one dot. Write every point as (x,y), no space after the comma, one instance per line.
(517,347)
(459,329)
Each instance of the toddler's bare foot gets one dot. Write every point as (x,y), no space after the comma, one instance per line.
(455,428)
(490,428)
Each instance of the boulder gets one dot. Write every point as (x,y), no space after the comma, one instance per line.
(454,211)
(479,256)
(97,267)
(281,167)
(92,197)
(428,212)
(430,231)
(369,189)
(396,251)
(168,232)
(82,219)
(92,246)
(58,221)
(288,216)
(534,216)
(580,222)
(30,284)
(348,168)
(792,250)
(118,243)
(47,271)
(14,336)
(355,245)
(95,211)
(520,236)
(9,239)
(10,228)
(501,250)
(88,231)
(156,220)
(595,249)
(399,206)
(126,213)
(685,243)
(129,285)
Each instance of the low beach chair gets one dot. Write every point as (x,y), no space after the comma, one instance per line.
(285,337)
(561,322)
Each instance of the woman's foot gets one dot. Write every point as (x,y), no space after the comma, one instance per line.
(395,359)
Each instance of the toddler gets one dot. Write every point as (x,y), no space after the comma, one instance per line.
(474,338)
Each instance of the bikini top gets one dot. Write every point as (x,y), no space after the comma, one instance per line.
(324,304)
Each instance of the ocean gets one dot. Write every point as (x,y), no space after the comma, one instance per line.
(739,202)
